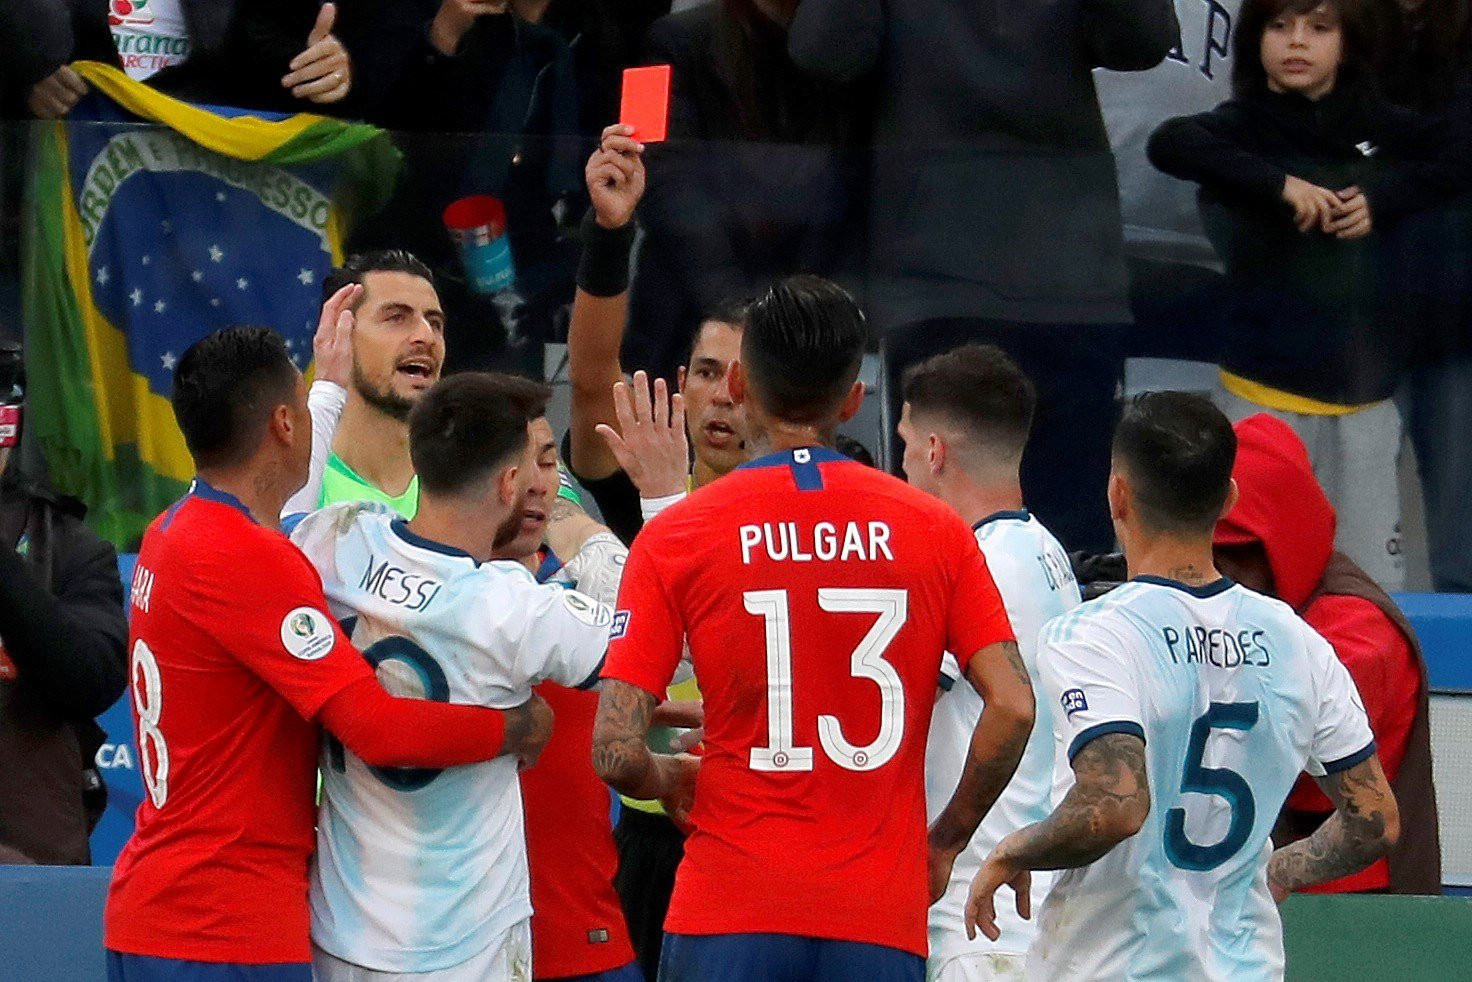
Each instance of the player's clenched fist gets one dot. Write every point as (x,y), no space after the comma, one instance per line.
(615,176)
(528,728)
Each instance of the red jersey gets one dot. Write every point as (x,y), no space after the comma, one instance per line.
(817,595)
(578,927)
(231,655)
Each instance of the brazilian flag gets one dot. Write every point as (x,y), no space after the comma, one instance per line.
(150,223)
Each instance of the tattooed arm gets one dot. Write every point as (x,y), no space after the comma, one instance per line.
(997,744)
(1363,828)
(1107,804)
(622,757)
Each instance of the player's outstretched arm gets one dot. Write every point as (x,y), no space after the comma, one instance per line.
(1108,803)
(387,731)
(1364,827)
(1000,737)
(600,308)
(622,757)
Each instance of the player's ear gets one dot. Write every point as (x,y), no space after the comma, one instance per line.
(1120,505)
(506,485)
(935,453)
(851,402)
(1233,494)
(282,425)
(735,381)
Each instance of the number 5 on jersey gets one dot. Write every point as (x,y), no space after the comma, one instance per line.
(867,661)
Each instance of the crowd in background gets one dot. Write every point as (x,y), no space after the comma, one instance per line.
(972,173)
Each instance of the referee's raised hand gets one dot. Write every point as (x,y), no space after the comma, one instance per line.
(650,442)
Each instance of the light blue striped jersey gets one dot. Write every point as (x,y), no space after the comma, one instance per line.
(1035,578)
(1234,696)
(418,870)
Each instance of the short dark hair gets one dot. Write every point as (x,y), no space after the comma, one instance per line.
(1177,450)
(529,396)
(1356,23)
(358,266)
(978,388)
(732,313)
(464,429)
(226,385)
(802,348)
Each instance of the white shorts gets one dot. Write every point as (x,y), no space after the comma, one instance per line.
(507,959)
(979,966)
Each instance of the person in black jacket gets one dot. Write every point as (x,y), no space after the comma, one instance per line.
(62,659)
(282,55)
(994,212)
(1301,174)
(1425,64)
(761,177)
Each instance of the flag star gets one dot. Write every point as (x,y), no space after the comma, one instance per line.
(242,283)
(103,276)
(159,307)
(290,343)
(137,297)
(214,301)
(216,253)
(169,361)
(219,195)
(147,260)
(196,276)
(306,277)
(166,225)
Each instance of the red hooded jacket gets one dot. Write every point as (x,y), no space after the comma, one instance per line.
(1283,508)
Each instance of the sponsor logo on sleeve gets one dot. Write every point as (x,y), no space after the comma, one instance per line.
(1074,701)
(620,625)
(586,609)
(306,633)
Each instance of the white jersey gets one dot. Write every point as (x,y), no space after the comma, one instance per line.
(1234,696)
(416,869)
(1036,581)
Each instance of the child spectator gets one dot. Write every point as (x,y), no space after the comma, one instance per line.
(1301,172)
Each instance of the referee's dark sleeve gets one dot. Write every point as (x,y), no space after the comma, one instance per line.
(70,648)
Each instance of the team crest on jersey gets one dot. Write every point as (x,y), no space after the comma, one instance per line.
(620,625)
(586,609)
(306,633)
(1074,701)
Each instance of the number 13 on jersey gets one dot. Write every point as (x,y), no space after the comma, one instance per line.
(867,662)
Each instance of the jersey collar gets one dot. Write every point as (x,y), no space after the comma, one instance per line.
(804,463)
(1202,592)
(402,530)
(208,492)
(1016,515)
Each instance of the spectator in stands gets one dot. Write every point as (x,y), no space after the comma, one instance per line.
(994,214)
(1175,280)
(62,656)
(760,178)
(1304,169)
(1279,540)
(281,55)
(1425,64)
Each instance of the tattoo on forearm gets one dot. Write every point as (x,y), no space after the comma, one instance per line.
(620,755)
(1014,660)
(1351,839)
(1110,786)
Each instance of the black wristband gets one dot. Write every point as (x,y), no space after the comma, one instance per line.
(603,270)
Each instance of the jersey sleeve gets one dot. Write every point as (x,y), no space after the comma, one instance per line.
(976,617)
(272,617)
(1092,686)
(1342,736)
(648,631)
(560,635)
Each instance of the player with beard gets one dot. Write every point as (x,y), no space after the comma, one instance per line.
(384,308)
(424,871)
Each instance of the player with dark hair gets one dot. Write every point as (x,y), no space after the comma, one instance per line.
(965,423)
(817,596)
(234,663)
(424,872)
(1188,706)
(391,320)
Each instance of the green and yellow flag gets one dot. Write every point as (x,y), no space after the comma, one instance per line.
(151,223)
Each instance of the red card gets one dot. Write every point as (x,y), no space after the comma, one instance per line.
(646,102)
